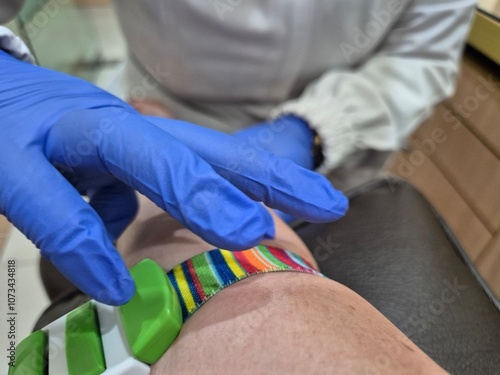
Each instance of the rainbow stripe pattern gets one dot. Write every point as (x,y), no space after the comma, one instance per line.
(198,279)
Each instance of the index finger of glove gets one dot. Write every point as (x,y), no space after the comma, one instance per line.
(161,167)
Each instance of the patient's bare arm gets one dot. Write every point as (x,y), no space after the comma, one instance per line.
(156,235)
(291,323)
(276,323)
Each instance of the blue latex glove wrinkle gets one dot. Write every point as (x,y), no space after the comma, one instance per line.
(106,150)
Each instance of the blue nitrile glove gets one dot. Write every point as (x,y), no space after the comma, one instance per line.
(105,149)
(287,136)
(278,182)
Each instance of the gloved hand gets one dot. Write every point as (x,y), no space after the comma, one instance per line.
(106,149)
(288,137)
(278,182)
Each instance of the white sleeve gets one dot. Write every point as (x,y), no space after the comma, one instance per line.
(378,104)
(12,44)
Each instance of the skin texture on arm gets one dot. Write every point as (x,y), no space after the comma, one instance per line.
(291,323)
(275,323)
(157,235)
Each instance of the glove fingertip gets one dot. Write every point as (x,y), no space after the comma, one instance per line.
(118,293)
(341,206)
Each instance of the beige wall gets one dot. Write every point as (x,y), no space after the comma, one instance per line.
(490,6)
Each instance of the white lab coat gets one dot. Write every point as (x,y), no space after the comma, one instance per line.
(363,73)
(15,46)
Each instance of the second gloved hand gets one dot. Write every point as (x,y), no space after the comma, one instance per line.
(288,137)
(276,181)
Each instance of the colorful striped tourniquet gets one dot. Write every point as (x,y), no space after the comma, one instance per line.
(203,276)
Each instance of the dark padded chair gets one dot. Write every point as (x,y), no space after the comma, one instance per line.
(394,250)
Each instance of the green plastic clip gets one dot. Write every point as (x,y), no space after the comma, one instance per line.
(84,353)
(31,355)
(152,319)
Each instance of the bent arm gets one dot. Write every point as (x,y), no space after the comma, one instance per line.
(155,234)
(284,322)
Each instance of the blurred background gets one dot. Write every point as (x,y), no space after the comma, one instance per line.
(459,176)
(96,49)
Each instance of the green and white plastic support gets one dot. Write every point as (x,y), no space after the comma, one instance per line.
(100,339)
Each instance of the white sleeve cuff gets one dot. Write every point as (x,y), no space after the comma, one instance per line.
(13,45)
(330,122)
